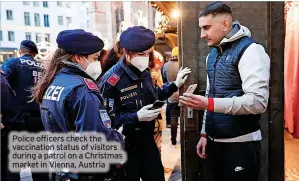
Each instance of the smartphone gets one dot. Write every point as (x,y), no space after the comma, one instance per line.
(190,90)
(158,104)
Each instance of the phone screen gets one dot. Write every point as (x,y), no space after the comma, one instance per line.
(157,105)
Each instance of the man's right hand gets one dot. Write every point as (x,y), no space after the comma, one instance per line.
(144,114)
(201,147)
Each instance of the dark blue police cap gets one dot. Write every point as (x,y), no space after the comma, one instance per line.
(79,42)
(30,45)
(137,39)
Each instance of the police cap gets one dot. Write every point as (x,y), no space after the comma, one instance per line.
(80,42)
(29,45)
(137,39)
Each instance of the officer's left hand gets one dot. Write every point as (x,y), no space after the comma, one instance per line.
(182,76)
(1,126)
(193,101)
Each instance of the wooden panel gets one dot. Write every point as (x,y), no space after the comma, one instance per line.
(188,56)
(276,40)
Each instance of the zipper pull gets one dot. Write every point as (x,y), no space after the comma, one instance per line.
(141,84)
(217,59)
(137,104)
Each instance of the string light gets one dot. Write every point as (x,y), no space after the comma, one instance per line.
(165,20)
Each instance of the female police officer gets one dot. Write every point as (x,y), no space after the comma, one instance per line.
(129,91)
(70,99)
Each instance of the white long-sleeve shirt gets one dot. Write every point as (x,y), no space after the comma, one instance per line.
(254,69)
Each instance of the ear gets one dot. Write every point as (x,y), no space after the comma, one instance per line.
(128,55)
(225,24)
(77,58)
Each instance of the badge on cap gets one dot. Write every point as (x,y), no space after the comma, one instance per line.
(91,85)
(113,79)
(105,118)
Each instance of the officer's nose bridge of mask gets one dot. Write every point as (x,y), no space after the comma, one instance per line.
(140,60)
(92,57)
(85,60)
(143,54)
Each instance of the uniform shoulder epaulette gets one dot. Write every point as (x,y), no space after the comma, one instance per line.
(113,79)
(91,85)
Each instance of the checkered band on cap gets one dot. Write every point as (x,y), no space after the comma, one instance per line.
(215,8)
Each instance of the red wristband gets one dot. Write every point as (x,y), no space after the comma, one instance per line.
(203,135)
(210,104)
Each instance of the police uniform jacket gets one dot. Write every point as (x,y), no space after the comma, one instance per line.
(22,73)
(72,102)
(11,115)
(126,91)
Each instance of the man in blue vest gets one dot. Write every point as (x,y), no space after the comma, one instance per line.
(237,94)
(22,73)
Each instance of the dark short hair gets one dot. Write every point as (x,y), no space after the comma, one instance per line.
(214,8)
(26,50)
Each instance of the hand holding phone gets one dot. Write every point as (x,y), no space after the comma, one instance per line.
(190,90)
(157,105)
(147,113)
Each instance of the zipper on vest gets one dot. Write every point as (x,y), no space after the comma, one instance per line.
(218,57)
(219,50)
(215,74)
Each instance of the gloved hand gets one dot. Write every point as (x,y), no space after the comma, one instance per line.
(144,114)
(182,76)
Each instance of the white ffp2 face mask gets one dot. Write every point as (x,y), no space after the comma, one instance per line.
(94,69)
(140,62)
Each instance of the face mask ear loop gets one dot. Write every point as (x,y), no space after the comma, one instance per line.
(86,60)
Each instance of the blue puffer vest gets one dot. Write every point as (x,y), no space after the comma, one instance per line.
(225,82)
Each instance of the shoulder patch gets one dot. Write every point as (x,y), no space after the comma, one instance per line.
(91,85)
(113,79)
(105,118)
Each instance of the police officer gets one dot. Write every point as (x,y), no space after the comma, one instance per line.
(128,89)
(70,99)
(22,73)
(12,120)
